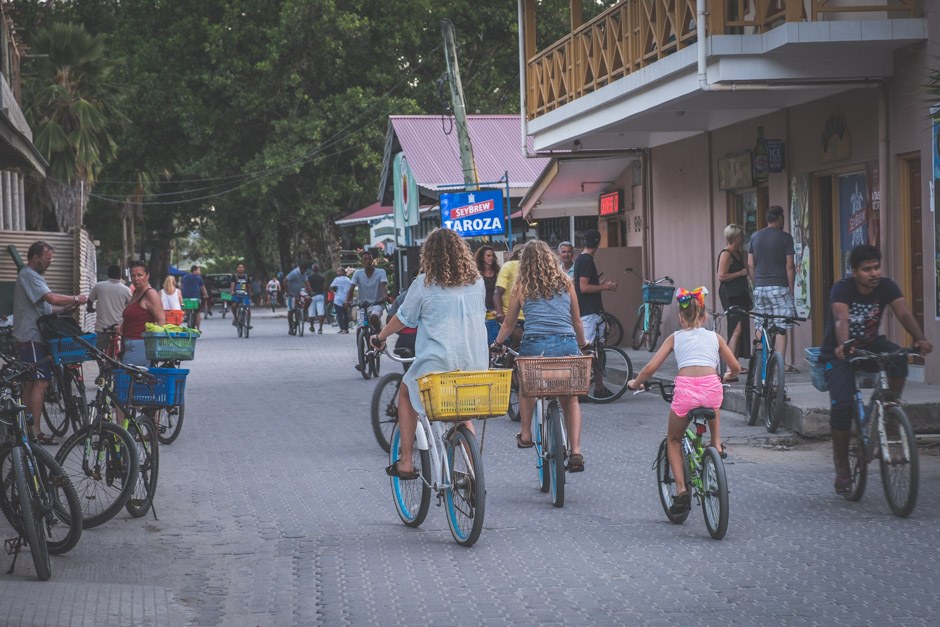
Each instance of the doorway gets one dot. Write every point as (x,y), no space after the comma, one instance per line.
(912,232)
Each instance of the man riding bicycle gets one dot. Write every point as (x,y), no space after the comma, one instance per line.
(294,282)
(240,288)
(373,289)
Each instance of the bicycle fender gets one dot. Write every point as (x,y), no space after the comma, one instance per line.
(421,438)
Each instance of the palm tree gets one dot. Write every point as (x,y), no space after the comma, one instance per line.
(71,105)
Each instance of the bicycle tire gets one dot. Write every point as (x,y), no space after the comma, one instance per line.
(900,477)
(31,524)
(753,388)
(361,349)
(144,433)
(66,514)
(556,452)
(666,486)
(775,392)
(111,485)
(77,407)
(639,333)
(858,461)
(465,496)
(611,370)
(246,320)
(413,497)
(715,494)
(540,437)
(513,410)
(302,324)
(374,364)
(55,406)
(170,423)
(385,408)
(613,334)
(239,325)
(656,320)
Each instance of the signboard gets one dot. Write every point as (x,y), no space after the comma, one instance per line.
(776,157)
(800,229)
(474,213)
(735,171)
(611,203)
(405,196)
(853,215)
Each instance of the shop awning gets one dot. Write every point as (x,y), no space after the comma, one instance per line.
(570,186)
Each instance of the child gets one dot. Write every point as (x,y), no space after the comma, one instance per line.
(697,384)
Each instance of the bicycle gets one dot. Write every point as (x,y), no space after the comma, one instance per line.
(547,378)
(649,317)
(191,308)
(766,377)
(368,360)
(882,431)
(715,320)
(36,496)
(613,328)
(611,370)
(705,477)
(449,462)
(243,315)
(385,402)
(504,360)
(64,401)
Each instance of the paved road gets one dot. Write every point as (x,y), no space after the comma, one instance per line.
(273,509)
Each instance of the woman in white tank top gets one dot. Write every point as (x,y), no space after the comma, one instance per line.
(697,384)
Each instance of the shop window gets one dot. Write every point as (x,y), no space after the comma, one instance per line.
(582,225)
(553,231)
(748,207)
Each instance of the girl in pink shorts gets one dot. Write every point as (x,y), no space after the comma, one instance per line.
(697,384)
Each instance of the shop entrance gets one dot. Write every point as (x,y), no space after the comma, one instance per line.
(912,283)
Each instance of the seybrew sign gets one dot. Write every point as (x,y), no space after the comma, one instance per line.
(473,213)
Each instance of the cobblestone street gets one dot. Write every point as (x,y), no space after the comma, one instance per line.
(273,509)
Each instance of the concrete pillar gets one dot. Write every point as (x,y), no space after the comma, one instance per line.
(8,202)
(5,220)
(21,194)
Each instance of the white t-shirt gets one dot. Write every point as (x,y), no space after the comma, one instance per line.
(171,302)
(343,287)
(273,285)
(696,347)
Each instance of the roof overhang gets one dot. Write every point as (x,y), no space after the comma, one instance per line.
(16,151)
(571,186)
(792,64)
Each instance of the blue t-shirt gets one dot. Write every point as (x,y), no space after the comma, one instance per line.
(865,310)
(191,286)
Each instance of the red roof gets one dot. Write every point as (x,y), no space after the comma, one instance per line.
(375,210)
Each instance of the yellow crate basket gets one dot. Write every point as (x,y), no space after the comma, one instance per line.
(554,376)
(463,394)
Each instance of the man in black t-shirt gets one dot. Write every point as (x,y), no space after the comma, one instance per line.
(858,304)
(317,309)
(588,286)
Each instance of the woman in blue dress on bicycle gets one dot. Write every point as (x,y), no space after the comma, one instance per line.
(446,302)
(545,295)
(697,384)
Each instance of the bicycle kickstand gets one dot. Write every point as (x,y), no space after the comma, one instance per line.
(12,547)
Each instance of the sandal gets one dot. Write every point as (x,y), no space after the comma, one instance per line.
(721,450)
(393,471)
(681,503)
(521,444)
(843,485)
(45,440)
(743,371)
(791,370)
(576,463)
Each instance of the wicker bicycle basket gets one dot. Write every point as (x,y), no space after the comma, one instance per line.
(554,376)
(463,394)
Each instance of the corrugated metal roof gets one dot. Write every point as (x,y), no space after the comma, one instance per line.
(434,156)
(365,214)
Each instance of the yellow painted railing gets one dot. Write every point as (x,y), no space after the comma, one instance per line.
(635,33)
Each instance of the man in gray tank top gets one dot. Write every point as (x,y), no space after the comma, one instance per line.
(770,262)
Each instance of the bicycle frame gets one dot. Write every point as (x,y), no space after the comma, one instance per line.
(872,420)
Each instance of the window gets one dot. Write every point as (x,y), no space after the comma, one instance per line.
(748,207)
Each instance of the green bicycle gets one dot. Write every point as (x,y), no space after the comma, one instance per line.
(649,317)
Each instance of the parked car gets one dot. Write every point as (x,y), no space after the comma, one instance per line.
(215,285)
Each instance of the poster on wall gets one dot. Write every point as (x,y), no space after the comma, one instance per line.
(800,225)
(853,215)
(874,207)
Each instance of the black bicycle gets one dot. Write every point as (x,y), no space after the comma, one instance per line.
(611,370)
(385,401)
(368,360)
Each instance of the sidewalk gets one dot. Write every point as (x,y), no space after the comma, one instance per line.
(807,410)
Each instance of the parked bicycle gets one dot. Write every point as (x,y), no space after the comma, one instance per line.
(765,386)
(611,370)
(36,496)
(449,461)
(368,361)
(705,477)
(649,317)
(613,328)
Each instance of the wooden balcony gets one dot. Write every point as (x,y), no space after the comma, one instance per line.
(636,33)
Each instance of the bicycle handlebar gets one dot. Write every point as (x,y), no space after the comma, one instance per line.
(394,357)
(138,373)
(756,314)
(665,389)
(860,354)
(663,279)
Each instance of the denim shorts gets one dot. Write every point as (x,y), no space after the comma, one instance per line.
(135,353)
(549,346)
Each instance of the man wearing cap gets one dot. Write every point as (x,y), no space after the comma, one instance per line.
(588,286)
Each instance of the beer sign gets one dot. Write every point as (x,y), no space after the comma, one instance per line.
(474,213)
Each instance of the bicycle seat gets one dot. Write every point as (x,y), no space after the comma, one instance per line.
(702,412)
(404,353)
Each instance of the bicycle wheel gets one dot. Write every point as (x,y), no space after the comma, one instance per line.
(385,408)
(361,349)
(301,322)
(656,319)
(465,495)
(169,423)
(639,333)
(540,438)
(61,513)
(666,484)
(101,462)
(556,452)
(900,468)
(55,405)
(412,498)
(246,321)
(610,372)
(753,388)
(714,494)
(374,364)
(76,400)
(30,515)
(858,462)
(144,434)
(513,410)
(613,334)
(775,393)
(239,322)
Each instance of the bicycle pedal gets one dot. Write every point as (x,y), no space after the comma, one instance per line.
(13,545)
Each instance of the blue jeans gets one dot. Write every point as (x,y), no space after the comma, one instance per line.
(548,346)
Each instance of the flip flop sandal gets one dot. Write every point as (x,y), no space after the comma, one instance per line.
(721,451)
(521,444)
(393,471)
(843,485)
(792,370)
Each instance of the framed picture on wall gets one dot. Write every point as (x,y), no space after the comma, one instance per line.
(735,171)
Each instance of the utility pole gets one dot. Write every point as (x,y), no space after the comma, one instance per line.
(460,112)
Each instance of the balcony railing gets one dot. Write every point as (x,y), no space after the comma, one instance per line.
(635,33)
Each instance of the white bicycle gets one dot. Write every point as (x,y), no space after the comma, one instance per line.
(447,458)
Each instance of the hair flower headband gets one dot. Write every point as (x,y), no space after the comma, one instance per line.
(684,296)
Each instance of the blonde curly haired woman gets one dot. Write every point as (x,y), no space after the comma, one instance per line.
(447,304)
(546,296)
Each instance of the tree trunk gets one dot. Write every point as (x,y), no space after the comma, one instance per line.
(256,262)
(283,247)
